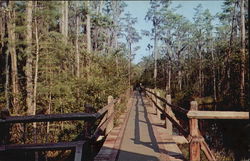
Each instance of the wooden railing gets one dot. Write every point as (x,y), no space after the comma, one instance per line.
(194,137)
(106,114)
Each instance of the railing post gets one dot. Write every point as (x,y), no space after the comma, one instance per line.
(158,104)
(194,132)
(153,98)
(168,123)
(109,114)
(4,128)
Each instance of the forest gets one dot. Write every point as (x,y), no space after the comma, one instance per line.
(58,56)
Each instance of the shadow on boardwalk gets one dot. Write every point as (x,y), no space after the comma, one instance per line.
(153,144)
(143,137)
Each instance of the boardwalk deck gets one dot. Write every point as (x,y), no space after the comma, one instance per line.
(144,137)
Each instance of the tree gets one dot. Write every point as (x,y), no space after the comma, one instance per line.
(64,18)
(13,55)
(153,15)
(132,36)
(88,27)
(77,40)
(29,60)
(243,53)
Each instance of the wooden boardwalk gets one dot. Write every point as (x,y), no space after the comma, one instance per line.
(139,134)
(144,137)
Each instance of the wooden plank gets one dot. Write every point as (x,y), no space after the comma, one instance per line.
(168,110)
(104,110)
(218,115)
(102,127)
(110,112)
(49,118)
(159,105)
(204,147)
(78,152)
(42,147)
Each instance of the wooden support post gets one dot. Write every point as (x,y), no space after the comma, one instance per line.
(158,102)
(78,152)
(87,124)
(155,100)
(168,110)
(150,94)
(194,132)
(4,128)
(109,114)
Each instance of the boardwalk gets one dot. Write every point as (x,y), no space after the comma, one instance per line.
(142,138)
(139,141)
(139,133)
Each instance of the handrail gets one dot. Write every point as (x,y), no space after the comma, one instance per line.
(174,107)
(106,114)
(180,128)
(48,118)
(195,138)
(57,117)
(218,115)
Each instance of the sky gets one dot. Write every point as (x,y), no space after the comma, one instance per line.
(139,9)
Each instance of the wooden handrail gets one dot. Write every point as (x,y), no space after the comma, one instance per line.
(48,118)
(218,115)
(174,107)
(195,138)
(106,124)
(179,127)
(57,117)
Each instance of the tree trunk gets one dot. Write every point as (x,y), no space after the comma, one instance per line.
(36,65)
(200,74)
(155,58)
(99,8)
(77,42)
(88,29)
(64,19)
(169,79)
(7,81)
(115,20)
(28,70)
(1,28)
(129,65)
(179,79)
(12,50)
(214,76)
(35,81)
(243,54)
(88,35)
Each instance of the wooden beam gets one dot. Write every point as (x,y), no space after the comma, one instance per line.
(194,146)
(49,118)
(42,147)
(218,115)
(169,111)
(110,125)
(78,152)
(205,148)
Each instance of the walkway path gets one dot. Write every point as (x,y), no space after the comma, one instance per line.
(142,140)
(140,136)
(139,142)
